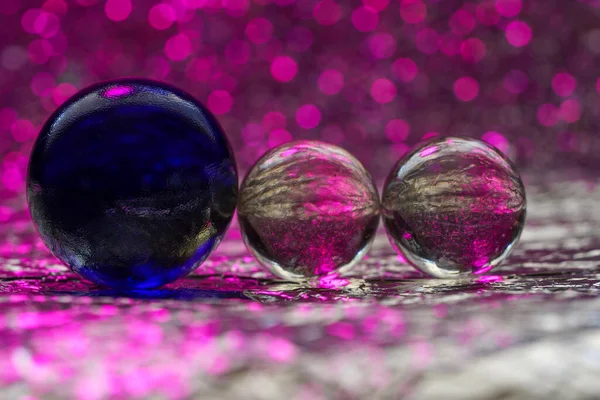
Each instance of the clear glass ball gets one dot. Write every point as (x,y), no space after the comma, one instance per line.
(454,206)
(307,209)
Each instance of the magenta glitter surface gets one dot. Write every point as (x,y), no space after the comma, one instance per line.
(374,77)
(380,331)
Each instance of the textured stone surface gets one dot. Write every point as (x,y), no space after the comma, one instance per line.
(532,331)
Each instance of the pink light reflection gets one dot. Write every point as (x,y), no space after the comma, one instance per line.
(288,153)
(282,350)
(118,91)
(342,330)
(497,140)
(427,151)
(332,281)
(490,279)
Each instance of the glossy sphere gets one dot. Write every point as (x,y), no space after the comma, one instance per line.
(132,184)
(308,208)
(454,206)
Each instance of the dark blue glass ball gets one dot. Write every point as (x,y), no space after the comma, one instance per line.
(132,183)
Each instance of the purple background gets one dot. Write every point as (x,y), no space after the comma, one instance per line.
(374,77)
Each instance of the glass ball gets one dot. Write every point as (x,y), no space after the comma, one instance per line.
(454,206)
(132,183)
(307,209)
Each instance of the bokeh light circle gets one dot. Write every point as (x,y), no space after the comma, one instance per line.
(331,82)
(466,88)
(383,91)
(308,116)
(518,33)
(284,68)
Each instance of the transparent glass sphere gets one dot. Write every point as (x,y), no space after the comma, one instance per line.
(454,206)
(308,208)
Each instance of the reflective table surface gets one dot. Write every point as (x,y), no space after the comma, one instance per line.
(382,331)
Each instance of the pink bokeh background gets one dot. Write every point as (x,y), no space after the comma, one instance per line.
(374,77)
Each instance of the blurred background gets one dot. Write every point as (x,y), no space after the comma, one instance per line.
(374,77)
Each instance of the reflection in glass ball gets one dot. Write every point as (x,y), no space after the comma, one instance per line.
(308,208)
(132,184)
(454,206)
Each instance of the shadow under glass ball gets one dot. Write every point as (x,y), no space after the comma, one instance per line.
(132,183)
(307,209)
(453,207)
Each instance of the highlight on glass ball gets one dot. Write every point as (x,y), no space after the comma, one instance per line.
(454,207)
(132,183)
(307,209)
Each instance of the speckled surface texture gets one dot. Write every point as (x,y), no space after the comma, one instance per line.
(374,77)
(532,331)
